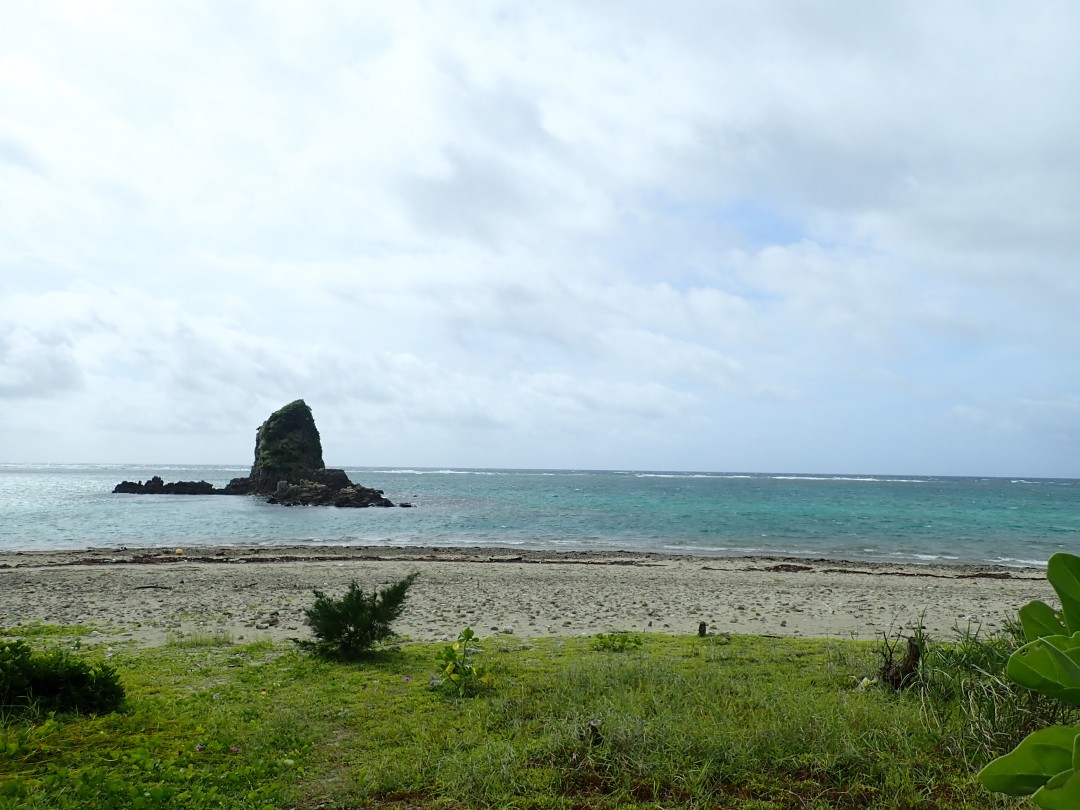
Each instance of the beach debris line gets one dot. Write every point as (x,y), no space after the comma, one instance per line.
(288,468)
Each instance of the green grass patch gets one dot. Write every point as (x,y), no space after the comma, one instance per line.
(200,638)
(725,722)
(38,630)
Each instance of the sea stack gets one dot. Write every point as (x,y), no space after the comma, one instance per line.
(288,468)
(287,448)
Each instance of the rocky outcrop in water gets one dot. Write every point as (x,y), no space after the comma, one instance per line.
(156,486)
(287,448)
(352,495)
(288,467)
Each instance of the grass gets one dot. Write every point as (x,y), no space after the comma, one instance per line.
(200,638)
(39,630)
(724,721)
(963,685)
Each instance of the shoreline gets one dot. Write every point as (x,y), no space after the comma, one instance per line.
(300,552)
(152,596)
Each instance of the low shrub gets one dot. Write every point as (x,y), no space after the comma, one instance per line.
(348,628)
(55,681)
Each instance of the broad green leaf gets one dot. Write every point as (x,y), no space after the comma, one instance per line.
(1060,793)
(1063,572)
(1039,619)
(1049,665)
(1076,752)
(1035,761)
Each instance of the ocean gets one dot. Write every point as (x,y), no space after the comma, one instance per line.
(1012,522)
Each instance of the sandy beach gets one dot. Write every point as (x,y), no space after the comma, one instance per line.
(152,596)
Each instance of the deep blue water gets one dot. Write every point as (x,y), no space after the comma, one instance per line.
(909,518)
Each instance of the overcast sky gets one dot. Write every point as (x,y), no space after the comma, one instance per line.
(733,236)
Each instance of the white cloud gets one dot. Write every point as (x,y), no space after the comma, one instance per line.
(35,366)
(769,236)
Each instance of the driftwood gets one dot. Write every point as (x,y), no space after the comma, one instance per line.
(898,674)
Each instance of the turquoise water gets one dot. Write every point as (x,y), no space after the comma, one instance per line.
(906,518)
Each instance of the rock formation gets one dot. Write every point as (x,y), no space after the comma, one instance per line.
(156,486)
(325,495)
(288,468)
(287,448)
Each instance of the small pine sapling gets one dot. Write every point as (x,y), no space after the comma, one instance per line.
(347,628)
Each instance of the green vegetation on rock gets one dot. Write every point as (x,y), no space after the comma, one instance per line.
(287,448)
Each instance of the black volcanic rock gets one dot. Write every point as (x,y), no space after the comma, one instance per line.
(288,467)
(287,448)
(156,486)
(239,486)
(354,496)
(335,479)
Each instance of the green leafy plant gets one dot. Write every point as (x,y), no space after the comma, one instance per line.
(347,628)
(1039,619)
(1046,764)
(616,642)
(457,670)
(55,681)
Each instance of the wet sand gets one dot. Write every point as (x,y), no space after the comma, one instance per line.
(150,596)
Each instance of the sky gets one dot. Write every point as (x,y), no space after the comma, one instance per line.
(761,236)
